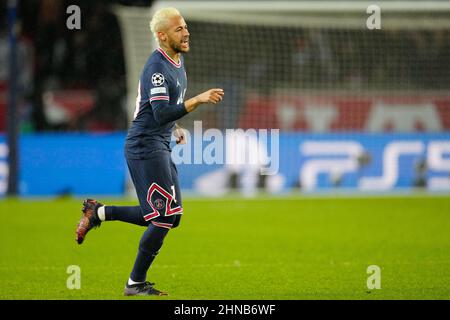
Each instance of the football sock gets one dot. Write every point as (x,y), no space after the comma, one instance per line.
(126,214)
(131,282)
(149,246)
(101,213)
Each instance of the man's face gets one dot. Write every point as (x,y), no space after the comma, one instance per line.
(177,34)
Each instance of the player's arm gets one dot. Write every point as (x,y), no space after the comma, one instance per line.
(159,98)
(211,96)
(159,94)
(164,113)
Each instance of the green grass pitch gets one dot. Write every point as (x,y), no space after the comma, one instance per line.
(231,248)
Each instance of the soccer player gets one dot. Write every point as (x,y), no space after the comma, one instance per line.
(160,102)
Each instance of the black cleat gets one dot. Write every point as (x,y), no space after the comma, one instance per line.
(142,289)
(89,219)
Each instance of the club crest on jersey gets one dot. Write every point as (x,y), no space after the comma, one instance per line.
(157,79)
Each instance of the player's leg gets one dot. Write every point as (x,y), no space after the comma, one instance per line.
(89,219)
(94,212)
(154,189)
(132,214)
(127,214)
(149,246)
(177,195)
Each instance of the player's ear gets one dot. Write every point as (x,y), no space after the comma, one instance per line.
(162,36)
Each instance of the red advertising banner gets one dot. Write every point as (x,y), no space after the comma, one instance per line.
(315,113)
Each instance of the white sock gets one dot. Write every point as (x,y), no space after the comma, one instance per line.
(101,213)
(131,282)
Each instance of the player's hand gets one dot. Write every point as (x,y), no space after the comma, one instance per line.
(180,135)
(211,96)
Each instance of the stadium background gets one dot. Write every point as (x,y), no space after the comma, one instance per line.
(360,112)
(312,77)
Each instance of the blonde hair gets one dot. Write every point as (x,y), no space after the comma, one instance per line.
(159,20)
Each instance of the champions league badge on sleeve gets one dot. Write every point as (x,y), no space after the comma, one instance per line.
(157,79)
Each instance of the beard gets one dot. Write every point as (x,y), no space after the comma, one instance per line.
(176,47)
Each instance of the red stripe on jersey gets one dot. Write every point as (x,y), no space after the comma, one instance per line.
(169,58)
(166,98)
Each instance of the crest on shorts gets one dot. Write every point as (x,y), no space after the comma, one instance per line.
(157,79)
(159,203)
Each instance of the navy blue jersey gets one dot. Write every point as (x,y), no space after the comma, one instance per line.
(160,102)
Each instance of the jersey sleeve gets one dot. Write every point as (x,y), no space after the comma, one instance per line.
(159,96)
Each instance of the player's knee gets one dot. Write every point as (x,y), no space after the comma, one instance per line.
(176,223)
(151,244)
(150,247)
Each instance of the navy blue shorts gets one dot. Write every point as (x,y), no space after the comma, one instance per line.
(157,188)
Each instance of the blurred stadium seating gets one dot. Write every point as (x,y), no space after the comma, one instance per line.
(317,74)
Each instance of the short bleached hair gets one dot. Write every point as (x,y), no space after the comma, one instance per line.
(160,18)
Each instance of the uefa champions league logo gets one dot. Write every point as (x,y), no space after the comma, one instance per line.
(157,79)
